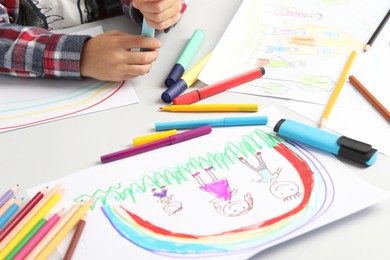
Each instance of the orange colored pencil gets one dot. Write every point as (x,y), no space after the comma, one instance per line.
(359,86)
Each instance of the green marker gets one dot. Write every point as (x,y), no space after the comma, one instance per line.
(185,57)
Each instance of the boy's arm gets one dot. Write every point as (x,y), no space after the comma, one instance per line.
(36,52)
(136,16)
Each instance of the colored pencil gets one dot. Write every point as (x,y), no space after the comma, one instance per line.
(44,254)
(377,31)
(338,88)
(22,213)
(52,233)
(11,210)
(359,86)
(212,108)
(38,236)
(6,206)
(27,238)
(29,215)
(75,239)
(8,195)
(31,223)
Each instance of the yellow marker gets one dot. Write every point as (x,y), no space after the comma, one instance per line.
(51,246)
(186,81)
(33,221)
(153,137)
(338,87)
(212,108)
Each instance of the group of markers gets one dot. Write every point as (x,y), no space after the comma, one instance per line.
(179,80)
(32,231)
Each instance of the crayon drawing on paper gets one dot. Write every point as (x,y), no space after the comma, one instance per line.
(231,194)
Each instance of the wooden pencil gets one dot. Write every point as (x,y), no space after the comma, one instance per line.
(75,239)
(338,88)
(52,233)
(31,223)
(29,215)
(45,253)
(377,31)
(38,236)
(22,213)
(8,195)
(359,86)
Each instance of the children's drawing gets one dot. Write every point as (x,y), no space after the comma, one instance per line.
(261,169)
(27,102)
(292,40)
(171,207)
(223,202)
(221,211)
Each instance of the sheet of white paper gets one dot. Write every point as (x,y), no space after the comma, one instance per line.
(211,198)
(28,102)
(303,45)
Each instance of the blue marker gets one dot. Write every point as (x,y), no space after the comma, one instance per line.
(147,31)
(231,121)
(185,57)
(339,145)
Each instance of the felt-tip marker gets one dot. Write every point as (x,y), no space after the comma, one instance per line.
(218,87)
(174,139)
(339,145)
(229,121)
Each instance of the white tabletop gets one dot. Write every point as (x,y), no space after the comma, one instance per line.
(38,154)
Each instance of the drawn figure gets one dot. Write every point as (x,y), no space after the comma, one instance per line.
(170,207)
(222,202)
(262,169)
(285,190)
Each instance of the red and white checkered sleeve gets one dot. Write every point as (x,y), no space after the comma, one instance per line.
(35,52)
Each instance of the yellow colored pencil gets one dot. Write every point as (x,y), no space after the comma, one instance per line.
(212,108)
(338,88)
(44,254)
(30,224)
(53,231)
(27,218)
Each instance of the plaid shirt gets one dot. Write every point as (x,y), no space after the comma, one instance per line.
(27,51)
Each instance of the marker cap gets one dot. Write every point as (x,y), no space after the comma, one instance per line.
(175,74)
(174,91)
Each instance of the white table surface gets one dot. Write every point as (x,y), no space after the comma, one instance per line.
(38,154)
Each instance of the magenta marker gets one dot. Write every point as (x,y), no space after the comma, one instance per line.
(174,139)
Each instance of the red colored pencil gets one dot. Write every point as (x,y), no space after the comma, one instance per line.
(21,214)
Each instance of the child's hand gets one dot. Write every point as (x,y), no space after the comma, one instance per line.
(159,14)
(109,57)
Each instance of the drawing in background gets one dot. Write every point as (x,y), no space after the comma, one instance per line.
(302,44)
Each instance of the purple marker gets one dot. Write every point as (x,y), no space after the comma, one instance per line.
(174,139)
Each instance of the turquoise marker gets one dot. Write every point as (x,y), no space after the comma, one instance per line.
(147,31)
(339,145)
(230,121)
(185,57)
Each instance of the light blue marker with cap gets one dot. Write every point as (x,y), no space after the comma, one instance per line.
(147,31)
(339,145)
(229,121)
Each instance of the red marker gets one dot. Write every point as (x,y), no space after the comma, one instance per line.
(218,87)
